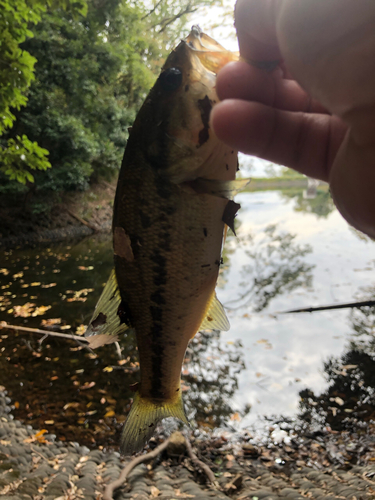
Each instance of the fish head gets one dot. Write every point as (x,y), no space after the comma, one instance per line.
(173,124)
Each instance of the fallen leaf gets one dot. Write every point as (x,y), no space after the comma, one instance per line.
(50,321)
(23,311)
(81,329)
(155,491)
(99,340)
(37,437)
(110,413)
(83,268)
(87,385)
(49,422)
(40,310)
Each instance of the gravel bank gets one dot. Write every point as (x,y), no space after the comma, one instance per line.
(37,466)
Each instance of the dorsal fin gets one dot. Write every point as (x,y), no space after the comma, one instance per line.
(105,324)
(215,319)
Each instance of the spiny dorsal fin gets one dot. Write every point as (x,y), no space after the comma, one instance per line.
(215,319)
(105,325)
(222,189)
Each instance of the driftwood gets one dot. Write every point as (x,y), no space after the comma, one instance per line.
(4,324)
(82,221)
(334,306)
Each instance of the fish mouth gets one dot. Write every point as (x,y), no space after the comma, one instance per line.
(212,55)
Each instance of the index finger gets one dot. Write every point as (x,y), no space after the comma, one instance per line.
(255,21)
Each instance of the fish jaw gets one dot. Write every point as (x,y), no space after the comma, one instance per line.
(178,140)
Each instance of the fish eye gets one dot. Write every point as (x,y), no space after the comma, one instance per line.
(170,79)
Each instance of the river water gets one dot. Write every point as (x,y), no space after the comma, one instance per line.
(291,251)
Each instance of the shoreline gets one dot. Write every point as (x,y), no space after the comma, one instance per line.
(36,465)
(82,214)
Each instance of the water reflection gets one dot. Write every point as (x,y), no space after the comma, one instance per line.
(268,265)
(210,375)
(349,401)
(275,267)
(321,204)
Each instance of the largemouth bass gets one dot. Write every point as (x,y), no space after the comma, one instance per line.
(173,199)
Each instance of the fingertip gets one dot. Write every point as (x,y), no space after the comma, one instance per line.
(255,22)
(241,124)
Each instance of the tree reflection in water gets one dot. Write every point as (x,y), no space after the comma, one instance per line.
(349,400)
(276,267)
(210,379)
(321,205)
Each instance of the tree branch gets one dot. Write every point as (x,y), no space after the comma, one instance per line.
(4,324)
(200,464)
(108,492)
(152,10)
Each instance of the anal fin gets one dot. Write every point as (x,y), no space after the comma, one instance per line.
(105,325)
(215,319)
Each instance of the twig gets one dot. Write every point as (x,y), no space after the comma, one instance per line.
(335,306)
(199,463)
(118,350)
(108,185)
(82,221)
(4,324)
(38,453)
(108,492)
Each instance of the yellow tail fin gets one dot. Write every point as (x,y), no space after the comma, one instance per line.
(143,418)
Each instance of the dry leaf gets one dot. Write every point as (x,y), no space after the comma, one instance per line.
(50,321)
(87,385)
(154,491)
(99,340)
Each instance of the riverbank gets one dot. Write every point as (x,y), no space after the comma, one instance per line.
(323,466)
(27,222)
(72,216)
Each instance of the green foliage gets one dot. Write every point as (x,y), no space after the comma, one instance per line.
(16,75)
(90,78)
(21,154)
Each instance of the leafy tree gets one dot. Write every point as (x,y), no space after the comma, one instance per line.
(16,75)
(91,77)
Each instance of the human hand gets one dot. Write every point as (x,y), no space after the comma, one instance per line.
(316,111)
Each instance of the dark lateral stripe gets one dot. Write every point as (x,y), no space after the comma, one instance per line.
(157,310)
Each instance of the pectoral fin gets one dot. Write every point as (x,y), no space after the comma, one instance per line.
(230,213)
(105,324)
(222,189)
(215,319)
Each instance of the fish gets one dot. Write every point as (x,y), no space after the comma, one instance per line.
(173,203)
